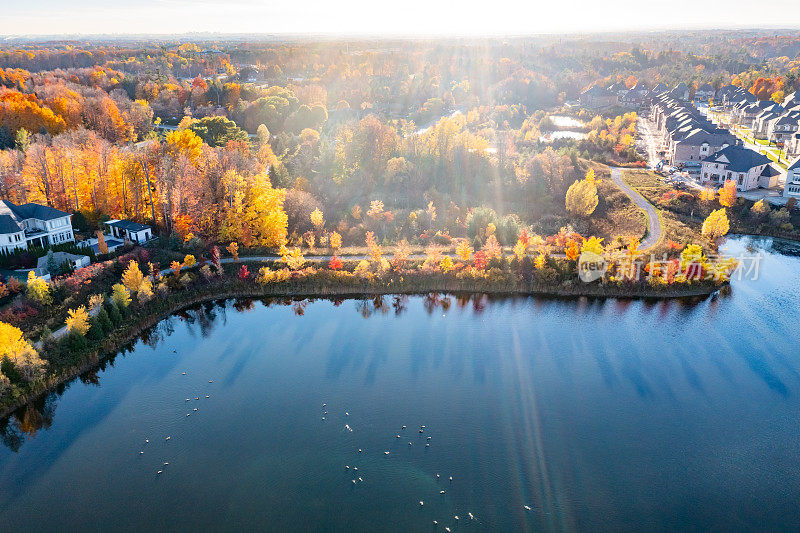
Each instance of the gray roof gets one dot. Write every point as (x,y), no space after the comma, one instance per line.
(41,212)
(596,90)
(59,257)
(770,171)
(795,165)
(698,136)
(11,215)
(9,220)
(128,225)
(739,159)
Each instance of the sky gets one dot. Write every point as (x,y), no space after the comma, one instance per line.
(379,17)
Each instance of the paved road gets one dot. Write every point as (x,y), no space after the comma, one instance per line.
(654,228)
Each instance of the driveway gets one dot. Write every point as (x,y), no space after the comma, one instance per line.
(649,139)
(654,228)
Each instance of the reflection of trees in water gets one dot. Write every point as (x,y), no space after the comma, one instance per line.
(244,304)
(379,305)
(28,420)
(39,414)
(203,316)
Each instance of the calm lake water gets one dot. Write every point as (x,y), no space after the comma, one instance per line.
(599,415)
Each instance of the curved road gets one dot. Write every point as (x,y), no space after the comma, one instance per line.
(654,228)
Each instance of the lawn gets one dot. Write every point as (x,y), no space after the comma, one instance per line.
(677,225)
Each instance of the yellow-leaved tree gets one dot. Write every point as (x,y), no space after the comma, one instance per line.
(446,264)
(267,219)
(759,209)
(582,197)
(132,277)
(38,289)
(78,320)
(707,194)
(727,194)
(20,353)
(294,259)
(716,225)
(120,295)
(335,240)
(593,244)
(464,250)
(317,218)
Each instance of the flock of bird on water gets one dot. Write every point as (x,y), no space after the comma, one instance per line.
(357,479)
(422,430)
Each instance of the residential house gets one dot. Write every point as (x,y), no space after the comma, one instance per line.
(680,92)
(791,146)
(22,226)
(636,96)
(131,231)
(619,88)
(596,97)
(792,187)
(704,93)
(784,127)
(747,168)
(688,151)
(761,124)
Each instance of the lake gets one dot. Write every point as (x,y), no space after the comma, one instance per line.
(597,415)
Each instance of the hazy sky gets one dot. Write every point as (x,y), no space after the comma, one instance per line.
(407,17)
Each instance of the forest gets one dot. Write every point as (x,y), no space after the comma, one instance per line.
(211,139)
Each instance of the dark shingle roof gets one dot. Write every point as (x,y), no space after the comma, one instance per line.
(41,212)
(739,159)
(128,225)
(770,171)
(9,220)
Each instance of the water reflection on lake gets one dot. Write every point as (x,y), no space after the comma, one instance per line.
(599,415)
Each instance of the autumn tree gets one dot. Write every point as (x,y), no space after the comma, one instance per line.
(233,249)
(317,219)
(716,224)
(19,353)
(727,194)
(464,251)
(78,320)
(335,240)
(102,247)
(120,295)
(708,195)
(582,199)
(38,289)
(759,209)
(132,278)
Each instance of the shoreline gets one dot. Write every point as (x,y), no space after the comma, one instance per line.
(128,333)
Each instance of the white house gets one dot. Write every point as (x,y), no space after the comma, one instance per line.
(747,168)
(132,231)
(792,187)
(27,225)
